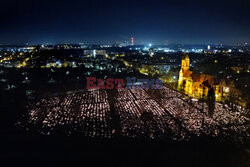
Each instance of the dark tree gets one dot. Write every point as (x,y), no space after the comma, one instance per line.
(211,101)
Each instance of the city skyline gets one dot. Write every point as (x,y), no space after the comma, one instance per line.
(125,83)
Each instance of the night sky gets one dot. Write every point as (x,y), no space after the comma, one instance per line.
(109,21)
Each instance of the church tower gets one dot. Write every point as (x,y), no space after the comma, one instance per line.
(185,62)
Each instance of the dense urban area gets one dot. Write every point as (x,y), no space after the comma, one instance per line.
(47,84)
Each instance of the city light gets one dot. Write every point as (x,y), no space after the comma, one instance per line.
(227,89)
(125,83)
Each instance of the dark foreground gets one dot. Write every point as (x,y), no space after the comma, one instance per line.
(17,150)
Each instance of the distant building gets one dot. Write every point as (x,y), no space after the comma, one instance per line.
(95,52)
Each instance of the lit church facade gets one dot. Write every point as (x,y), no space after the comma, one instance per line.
(196,84)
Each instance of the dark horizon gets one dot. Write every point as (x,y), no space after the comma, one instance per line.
(111,21)
(142,44)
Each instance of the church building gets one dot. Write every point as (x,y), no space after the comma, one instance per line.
(196,84)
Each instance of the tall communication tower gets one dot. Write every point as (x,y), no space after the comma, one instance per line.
(132,41)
